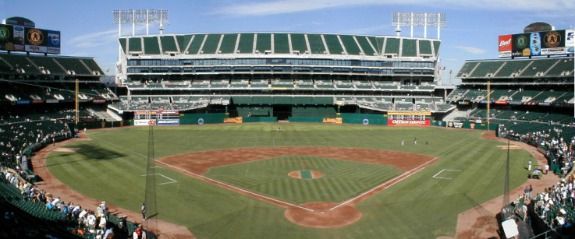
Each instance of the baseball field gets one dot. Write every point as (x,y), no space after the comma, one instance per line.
(295,180)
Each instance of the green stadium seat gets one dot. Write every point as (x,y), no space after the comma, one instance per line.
(350,45)
(365,45)
(466,69)
(538,67)
(409,48)
(151,46)
(264,43)
(196,44)
(391,46)
(298,43)
(228,45)
(183,42)
(246,44)
(168,44)
(135,44)
(316,44)
(211,44)
(425,47)
(486,69)
(333,44)
(281,43)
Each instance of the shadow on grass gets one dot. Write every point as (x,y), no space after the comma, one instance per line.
(98,153)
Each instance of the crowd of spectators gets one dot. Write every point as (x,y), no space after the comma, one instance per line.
(555,206)
(17,141)
(559,148)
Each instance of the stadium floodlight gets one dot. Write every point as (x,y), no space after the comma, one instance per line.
(412,19)
(139,17)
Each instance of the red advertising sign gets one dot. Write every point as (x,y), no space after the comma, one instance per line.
(505,46)
(397,122)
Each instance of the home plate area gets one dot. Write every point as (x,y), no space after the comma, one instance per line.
(446,174)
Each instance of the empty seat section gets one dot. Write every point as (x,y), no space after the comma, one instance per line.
(211,44)
(47,63)
(228,43)
(264,43)
(316,44)
(168,44)
(466,69)
(377,42)
(333,44)
(246,44)
(365,46)
(123,44)
(436,45)
(511,67)
(350,46)
(298,43)
(151,46)
(20,62)
(486,67)
(565,67)
(93,65)
(538,66)
(281,43)
(75,65)
(392,46)
(409,48)
(183,41)
(196,44)
(135,44)
(425,47)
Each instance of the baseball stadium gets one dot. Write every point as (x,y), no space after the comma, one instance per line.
(215,135)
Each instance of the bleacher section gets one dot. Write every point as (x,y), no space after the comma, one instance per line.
(48,65)
(517,68)
(284,43)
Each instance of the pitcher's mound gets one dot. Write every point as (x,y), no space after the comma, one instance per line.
(305,174)
(322,216)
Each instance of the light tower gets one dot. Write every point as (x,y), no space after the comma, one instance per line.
(412,20)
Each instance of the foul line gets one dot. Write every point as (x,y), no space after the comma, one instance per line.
(436,176)
(171,180)
(386,184)
(232,187)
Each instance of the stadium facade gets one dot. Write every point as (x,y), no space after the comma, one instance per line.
(280,76)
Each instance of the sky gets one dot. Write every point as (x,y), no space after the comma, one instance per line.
(87,27)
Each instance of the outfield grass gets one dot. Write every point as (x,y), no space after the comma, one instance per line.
(342,179)
(109,168)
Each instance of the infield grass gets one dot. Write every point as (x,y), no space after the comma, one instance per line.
(110,167)
(342,179)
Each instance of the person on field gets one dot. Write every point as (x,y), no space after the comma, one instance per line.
(143,211)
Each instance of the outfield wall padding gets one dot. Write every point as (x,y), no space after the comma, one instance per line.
(259,119)
(365,119)
(191,118)
(304,119)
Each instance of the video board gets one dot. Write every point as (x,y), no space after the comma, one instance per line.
(26,39)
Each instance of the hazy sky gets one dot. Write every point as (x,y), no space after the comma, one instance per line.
(471,32)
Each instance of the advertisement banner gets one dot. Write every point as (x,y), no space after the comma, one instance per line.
(536,43)
(19,38)
(404,123)
(505,45)
(144,122)
(520,45)
(169,122)
(553,42)
(570,41)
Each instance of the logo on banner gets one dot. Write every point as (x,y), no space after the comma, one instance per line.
(552,39)
(35,37)
(504,43)
(4,34)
